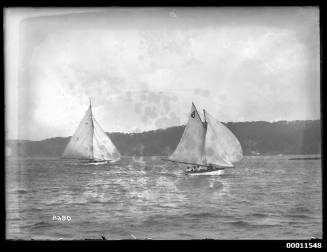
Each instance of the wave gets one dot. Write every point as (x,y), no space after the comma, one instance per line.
(100,202)
(32,209)
(38,225)
(239,223)
(168,174)
(164,219)
(14,218)
(245,224)
(56,203)
(186,235)
(259,215)
(300,209)
(204,215)
(161,201)
(298,216)
(19,191)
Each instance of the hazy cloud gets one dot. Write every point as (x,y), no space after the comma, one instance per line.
(143,67)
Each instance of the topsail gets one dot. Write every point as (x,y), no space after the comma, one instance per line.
(208,142)
(90,142)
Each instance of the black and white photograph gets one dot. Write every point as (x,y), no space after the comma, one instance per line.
(163,123)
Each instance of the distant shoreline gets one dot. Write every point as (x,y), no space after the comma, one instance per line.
(256,139)
(285,122)
(308,158)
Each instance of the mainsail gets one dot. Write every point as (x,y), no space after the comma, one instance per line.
(80,144)
(190,148)
(90,142)
(208,142)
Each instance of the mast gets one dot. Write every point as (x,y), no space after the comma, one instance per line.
(205,119)
(204,158)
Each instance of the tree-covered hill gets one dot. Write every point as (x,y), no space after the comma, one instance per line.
(265,138)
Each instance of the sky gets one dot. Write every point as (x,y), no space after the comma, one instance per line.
(143,67)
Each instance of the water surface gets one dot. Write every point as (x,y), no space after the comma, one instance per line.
(263,198)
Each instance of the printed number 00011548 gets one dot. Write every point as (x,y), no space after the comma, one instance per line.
(303,245)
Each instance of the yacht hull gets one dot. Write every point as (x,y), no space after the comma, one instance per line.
(217,172)
(96,162)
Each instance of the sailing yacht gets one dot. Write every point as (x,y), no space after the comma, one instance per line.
(90,143)
(208,147)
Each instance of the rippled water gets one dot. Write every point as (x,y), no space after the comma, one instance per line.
(263,198)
